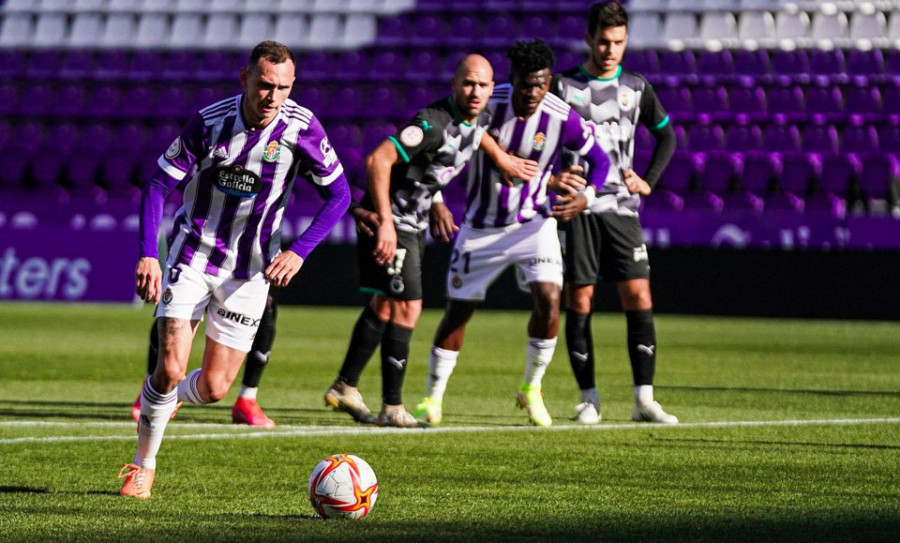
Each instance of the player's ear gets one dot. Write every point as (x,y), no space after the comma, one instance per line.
(244,77)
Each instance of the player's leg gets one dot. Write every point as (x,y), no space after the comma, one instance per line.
(581,253)
(394,356)
(246,409)
(152,356)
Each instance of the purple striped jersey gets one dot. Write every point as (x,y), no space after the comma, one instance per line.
(236,182)
(540,137)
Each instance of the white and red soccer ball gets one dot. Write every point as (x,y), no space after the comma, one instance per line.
(343,486)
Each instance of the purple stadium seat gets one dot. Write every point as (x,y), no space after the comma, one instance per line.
(81,173)
(205,95)
(424,65)
(819,137)
(392,30)
(826,202)
(138,101)
(47,170)
(118,175)
(829,63)
(375,133)
(9,98)
(824,99)
(43,64)
(706,136)
(350,65)
(344,136)
(715,63)
(838,171)
(536,26)
(347,101)
(890,99)
(790,63)
(217,66)
(863,98)
(721,171)
(787,100)
(749,99)
(417,97)
(568,59)
(643,141)
(569,28)
(677,62)
(760,171)
(784,201)
(500,29)
(861,62)
(36,100)
(76,64)
(12,63)
(315,98)
(642,61)
(63,138)
(676,99)
(859,138)
(6,133)
(146,65)
(878,171)
(889,137)
(712,100)
(681,173)
(380,99)
(173,101)
(131,137)
(703,199)
(179,65)
(743,136)
(743,201)
(500,63)
(748,62)
(428,29)
(463,29)
(112,65)
(800,172)
(387,65)
(69,100)
(663,200)
(892,63)
(13,168)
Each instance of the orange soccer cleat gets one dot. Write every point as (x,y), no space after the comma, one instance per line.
(138,481)
(248,411)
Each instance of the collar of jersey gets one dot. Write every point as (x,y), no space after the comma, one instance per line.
(587,73)
(456,113)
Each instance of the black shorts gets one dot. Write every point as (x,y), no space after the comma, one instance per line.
(402,278)
(603,246)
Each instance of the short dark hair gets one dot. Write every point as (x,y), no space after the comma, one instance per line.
(605,15)
(530,56)
(274,52)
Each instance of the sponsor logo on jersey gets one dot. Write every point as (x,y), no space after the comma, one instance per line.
(174,150)
(640,253)
(412,136)
(539,141)
(329,156)
(234,180)
(612,131)
(220,153)
(167,296)
(239,318)
(273,151)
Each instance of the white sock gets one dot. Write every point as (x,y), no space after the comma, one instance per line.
(440,364)
(187,389)
(156,409)
(248,392)
(590,396)
(537,357)
(643,394)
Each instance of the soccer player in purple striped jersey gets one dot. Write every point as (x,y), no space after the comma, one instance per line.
(235,162)
(515,223)
(607,240)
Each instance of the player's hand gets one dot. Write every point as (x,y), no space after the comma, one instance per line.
(569,181)
(386,243)
(514,167)
(635,184)
(441,222)
(148,279)
(568,206)
(366,221)
(283,268)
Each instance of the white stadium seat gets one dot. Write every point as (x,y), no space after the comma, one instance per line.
(719,27)
(644,30)
(221,29)
(360,29)
(756,27)
(130,6)
(119,30)
(20,5)
(229,6)
(255,27)
(893,32)
(829,28)
(88,5)
(16,29)
(679,28)
(50,30)
(56,5)
(869,28)
(152,30)
(86,27)
(792,26)
(268,7)
(291,29)
(187,30)
(325,30)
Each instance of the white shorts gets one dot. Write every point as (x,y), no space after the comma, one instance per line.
(481,254)
(233,306)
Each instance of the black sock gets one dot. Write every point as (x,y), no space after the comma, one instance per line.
(258,356)
(394,354)
(153,351)
(366,336)
(580,342)
(641,346)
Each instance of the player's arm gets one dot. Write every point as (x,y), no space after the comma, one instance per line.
(579,138)
(327,175)
(511,166)
(440,220)
(378,171)
(366,221)
(654,117)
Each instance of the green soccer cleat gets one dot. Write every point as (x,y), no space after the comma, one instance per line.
(531,398)
(428,411)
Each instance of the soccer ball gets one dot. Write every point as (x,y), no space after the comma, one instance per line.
(343,486)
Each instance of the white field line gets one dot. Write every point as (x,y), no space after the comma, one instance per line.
(305,431)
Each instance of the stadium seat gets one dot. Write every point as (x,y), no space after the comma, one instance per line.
(678,62)
(780,136)
(138,101)
(463,29)
(103,101)
(9,98)
(69,100)
(291,29)
(374,133)
(824,99)
(187,31)
(743,136)
(786,100)
(219,66)
(791,26)
(819,137)
(662,200)
(838,172)
(112,65)
(878,172)
(865,63)
(537,26)
(146,65)
(715,63)
(390,65)
(889,137)
(119,30)
(706,136)
(645,30)
(16,30)
(794,63)
(677,100)
(254,28)
(868,27)
(830,28)
(785,202)
(743,201)
(827,62)
(718,27)
(12,64)
(35,100)
(826,203)
(427,29)
(569,30)
(721,171)
(348,101)
(680,176)
(220,31)
(350,65)
(749,99)
(500,29)
(152,30)
(644,62)
(85,29)
(756,29)
(76,64)
(423,65)
(51,30)
(359,29)
(392,30)
(315,98)
(712,100)
(679,28)
(755,62)
(173,102)
(43,64)
(800,172)
(862,98)
(858,137)
(760,172)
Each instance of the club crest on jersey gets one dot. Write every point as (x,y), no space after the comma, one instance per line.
(456,281)
(397,286)
(273,151)
(412,136)
(539,141)
(174,150)
(167,296)
(626,99)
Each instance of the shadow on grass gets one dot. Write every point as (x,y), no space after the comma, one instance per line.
(21,490)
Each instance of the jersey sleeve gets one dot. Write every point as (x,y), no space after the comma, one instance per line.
(653,115)
(318,157)
(579,139)
(183,152)
(422,134)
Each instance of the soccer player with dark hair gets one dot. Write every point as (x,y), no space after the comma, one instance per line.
(514,224)
(235,163)
(607,241)
(405,174)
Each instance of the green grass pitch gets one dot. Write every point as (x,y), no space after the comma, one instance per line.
(791,432)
